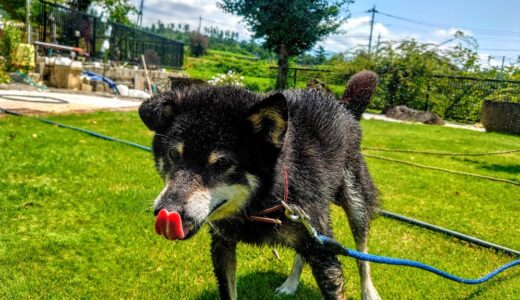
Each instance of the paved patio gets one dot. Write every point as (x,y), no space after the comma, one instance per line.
(36,102)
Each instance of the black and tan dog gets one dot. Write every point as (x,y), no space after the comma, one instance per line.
(223,152)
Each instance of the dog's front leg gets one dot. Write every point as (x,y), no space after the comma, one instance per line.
(223,254)
(328,274)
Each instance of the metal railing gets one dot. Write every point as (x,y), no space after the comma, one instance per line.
(451,96)
(61,25)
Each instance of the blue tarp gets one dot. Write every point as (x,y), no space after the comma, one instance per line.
(96,77)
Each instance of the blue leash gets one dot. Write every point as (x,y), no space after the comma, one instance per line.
(336,248)
(330,245)
(90,132)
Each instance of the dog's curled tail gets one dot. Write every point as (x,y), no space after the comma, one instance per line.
(360,88)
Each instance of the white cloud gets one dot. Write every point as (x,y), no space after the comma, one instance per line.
(188,12)
(353,33)
(450,32)
(487,60)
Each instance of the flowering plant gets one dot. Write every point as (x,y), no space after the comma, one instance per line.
(230,78)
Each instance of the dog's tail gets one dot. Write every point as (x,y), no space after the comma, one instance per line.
(360,88)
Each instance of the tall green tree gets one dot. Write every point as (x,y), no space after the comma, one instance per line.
(320,55)
(15,9)
(288,27)
(118,10)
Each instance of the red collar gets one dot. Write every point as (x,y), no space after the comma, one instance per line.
(259,216)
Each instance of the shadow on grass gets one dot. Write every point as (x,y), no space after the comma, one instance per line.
(511,168)
(485,287)
(261,285)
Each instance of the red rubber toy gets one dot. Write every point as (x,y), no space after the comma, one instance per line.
(169,224)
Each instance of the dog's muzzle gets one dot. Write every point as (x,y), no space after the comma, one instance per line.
(169,225)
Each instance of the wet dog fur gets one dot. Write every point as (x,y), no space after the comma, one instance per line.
(222,152)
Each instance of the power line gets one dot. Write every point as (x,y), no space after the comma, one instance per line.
(437,25)
(497,49)
(483,34)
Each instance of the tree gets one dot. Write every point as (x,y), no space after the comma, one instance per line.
(320,55)
(288,27)
(15,9)
(198,43)
(118,10)
(81,5)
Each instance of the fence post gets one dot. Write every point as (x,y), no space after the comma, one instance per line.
(163,59)
(43,7)
(295,77)
(427,108)
(93,47)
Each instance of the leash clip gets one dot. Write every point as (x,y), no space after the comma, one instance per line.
(296,214)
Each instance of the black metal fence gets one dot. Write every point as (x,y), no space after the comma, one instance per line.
(452,97)
(458,97)
(64,26)
(298,76)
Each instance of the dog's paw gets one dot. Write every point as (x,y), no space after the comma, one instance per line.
(289,287)
(370,294)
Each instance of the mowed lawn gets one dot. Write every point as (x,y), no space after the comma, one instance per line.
(76,219)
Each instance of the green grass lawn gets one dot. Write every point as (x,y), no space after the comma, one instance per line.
(75,218)
(258,74)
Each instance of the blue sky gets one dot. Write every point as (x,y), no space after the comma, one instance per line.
(495,24)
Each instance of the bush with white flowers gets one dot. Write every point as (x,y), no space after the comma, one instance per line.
(230,78)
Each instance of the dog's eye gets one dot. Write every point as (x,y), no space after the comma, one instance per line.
(174,155)
(223,163)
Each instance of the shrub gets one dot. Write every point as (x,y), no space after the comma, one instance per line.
(4,77)
(152,58)
(9,42)
(253,86)
(198,44)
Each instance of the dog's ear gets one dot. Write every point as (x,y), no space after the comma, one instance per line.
(157,112)
(268,119)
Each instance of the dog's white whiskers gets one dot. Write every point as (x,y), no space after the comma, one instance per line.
(163,136)
(212,226)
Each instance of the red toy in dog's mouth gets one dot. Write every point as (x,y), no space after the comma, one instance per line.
(169,224)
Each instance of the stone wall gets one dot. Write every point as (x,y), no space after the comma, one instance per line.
(501,116)
(131,77)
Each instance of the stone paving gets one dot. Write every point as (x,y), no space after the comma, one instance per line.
(37,102)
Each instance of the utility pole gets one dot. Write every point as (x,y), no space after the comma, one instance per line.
(378,42)
(373,11)
(503,61)
(200,22)
(28,20)
(140,14)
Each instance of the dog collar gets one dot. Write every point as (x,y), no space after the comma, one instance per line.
(260,216)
